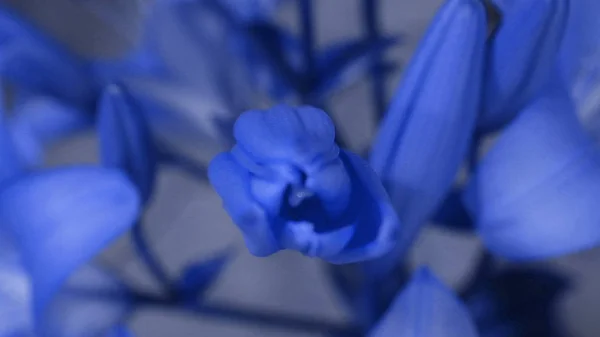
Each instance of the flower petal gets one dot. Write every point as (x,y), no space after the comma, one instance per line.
(41,121)
(125,139)
(60,219)
(299,135)
(426,308)
(81,311)
(523,53)
(15,293)
(535,193)
(427,130)
(232,182)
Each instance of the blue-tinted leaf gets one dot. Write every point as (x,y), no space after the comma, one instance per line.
(42,121)
(125,139)
(39,64)
(523,53)
(273,58)
(426,308)
(519,303)
(539,184)
(452,213)
(59,219)
(341,64)
(427,130)
(197,277)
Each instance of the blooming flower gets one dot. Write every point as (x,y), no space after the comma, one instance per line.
(287,185)
(51,223)
(534,194)
(522,54)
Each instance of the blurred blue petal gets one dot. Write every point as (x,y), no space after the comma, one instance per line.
(41,121)
(340,65)
(15,293)
(581,44)
(426,308)
(198,277)
(120,331)
(535,194)
(39,64)
(523,53)
(519,302)
(80,310)
(287,185)
(427,130)
(125,139)
(60,219)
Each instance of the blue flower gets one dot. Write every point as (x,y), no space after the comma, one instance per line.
(534,195)
(522,54)
(428,128)
(56,221)
(287,185)
(426,308)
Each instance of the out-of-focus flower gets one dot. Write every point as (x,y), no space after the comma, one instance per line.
(125,139)
(535,193)
(518,302)
(57,221)
(522,54)
(427,130)
(39,122)
(426,308)
(287,185)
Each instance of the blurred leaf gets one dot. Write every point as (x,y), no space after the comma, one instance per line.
(125,139)
(341,64)
(275,55)
(198,277)
(39,64)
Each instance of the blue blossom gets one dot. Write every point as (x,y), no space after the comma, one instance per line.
(534,194)
(522,54)
(287,185)
(40,122)
(57,221)
(426,308)
(428,128)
